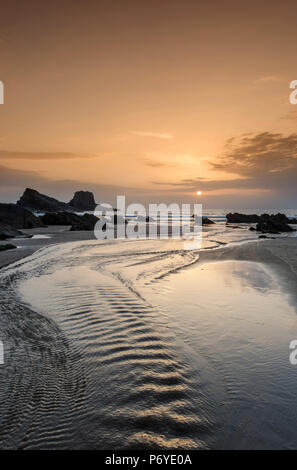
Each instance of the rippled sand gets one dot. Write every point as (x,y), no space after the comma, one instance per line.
(108,345)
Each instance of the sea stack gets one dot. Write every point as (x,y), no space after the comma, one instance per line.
(83,200)
(35,201)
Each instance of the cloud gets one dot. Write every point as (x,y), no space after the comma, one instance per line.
(158,135)
(158,164)
(259,163)
(291,116)
(255,170)
(268,79)
(265,152)
(8,154)
(10,178)
(13,182)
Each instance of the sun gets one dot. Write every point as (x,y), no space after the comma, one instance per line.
(199,193)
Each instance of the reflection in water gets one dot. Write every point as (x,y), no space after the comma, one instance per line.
(233,315)
(127,355)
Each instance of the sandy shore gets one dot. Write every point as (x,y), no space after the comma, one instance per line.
(280,253)
(52,235)
(205,347)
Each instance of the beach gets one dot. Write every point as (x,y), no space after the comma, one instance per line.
(141,344)
(41,237)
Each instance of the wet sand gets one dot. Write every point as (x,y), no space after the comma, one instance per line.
(95,360)
(27,246)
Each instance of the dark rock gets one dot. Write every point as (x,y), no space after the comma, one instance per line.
(7,247)
(275,218)
(205,220)
(17,217)
(86,222)
(273,227)
(237,218)
(35,201)
(252,229)
(83,200)
(268,238)
(7,231)
(60,218)
(266,223)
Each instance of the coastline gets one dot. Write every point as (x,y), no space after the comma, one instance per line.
(280,253)
(53,235)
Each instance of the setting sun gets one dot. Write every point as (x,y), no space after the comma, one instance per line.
(199,193)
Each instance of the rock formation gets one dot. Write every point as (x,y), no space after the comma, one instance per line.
(7,247)
(273,227)
(7,231)
(16,216)
(237,218)
(35,201)
(83,200)
(86,222)
(205,220)
(60,218)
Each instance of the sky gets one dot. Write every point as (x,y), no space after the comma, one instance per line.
(154,99)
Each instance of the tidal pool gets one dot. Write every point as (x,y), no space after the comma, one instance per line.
(236,325)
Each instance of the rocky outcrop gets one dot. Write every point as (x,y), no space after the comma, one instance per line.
(60,218)
(7,247)
(7,231)
(273,227)
(86,222)
(17,217)
(83,200)
(205,220)
(280,219)
(35,201)
(237,218)
(77,222)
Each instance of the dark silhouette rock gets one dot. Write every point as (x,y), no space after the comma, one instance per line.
(60,218)
(265,236)
(8,246)
(238,218)
(83,200)
(273,227)
(206,221)
(7,231)
(266,223)
(86,222)
(35,201)
(17,217)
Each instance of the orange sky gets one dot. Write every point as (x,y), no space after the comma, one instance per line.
(140,98)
